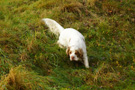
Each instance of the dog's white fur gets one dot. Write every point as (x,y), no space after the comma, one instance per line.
(70,39)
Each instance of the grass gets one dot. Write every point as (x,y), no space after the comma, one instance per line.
(30,59)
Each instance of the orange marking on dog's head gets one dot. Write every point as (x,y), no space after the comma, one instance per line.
(68,52)
(79,53)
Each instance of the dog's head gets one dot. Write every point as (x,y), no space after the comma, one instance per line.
(74,54)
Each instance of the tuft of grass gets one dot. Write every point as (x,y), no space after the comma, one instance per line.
(20,79)
(75,7)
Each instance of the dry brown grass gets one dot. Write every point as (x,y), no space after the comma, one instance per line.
(104,76)
(14,80)
(73,7)
(19,78)
(91,2)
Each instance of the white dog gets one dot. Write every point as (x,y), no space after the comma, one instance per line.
(70,39)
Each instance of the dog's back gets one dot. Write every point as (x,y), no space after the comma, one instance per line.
(71,36)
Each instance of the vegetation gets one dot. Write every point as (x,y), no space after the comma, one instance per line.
(30,59)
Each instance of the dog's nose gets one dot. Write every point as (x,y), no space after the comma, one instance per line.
(72,57)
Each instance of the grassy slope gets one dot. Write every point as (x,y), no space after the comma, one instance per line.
(30,59)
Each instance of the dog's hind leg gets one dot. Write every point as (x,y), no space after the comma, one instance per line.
(60,45)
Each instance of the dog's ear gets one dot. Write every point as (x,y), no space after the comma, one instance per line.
(67,51)
(79,53)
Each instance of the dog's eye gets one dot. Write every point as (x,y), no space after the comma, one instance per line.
(76,52)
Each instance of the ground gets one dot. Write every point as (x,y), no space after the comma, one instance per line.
(30,59)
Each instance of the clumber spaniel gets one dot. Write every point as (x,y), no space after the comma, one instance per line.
(71,39)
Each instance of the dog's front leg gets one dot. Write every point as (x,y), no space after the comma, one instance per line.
(86,63)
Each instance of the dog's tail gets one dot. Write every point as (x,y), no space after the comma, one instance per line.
(53,26)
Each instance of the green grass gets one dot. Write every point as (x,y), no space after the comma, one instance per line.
(30,59)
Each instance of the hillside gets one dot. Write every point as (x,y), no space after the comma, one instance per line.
(30,59)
